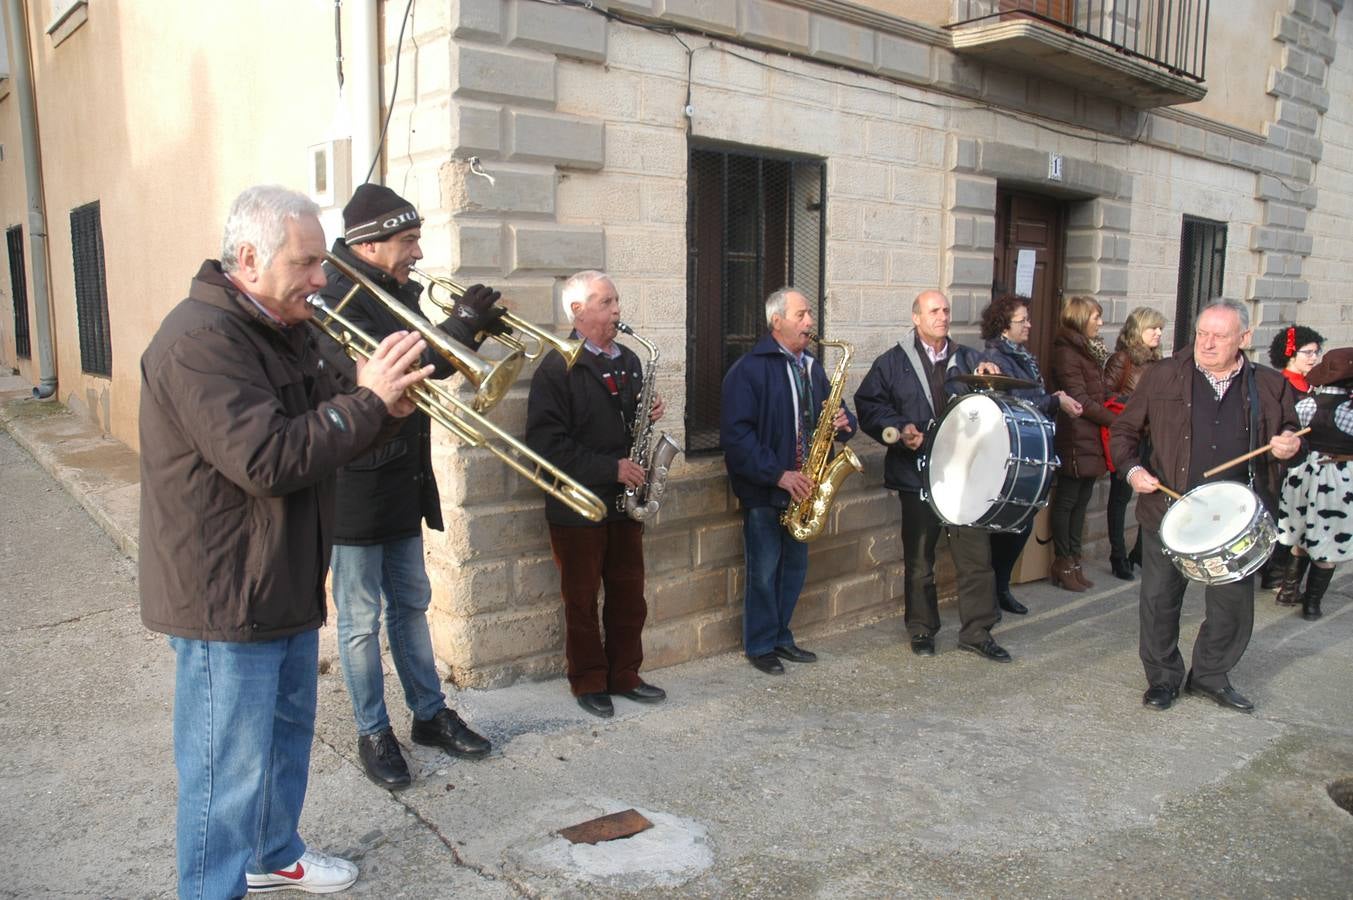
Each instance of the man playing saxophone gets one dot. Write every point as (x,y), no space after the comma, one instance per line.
(385,496)
(771,402)
(582,419)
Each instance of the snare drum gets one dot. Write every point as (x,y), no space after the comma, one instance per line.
(1218,533)
(990,464)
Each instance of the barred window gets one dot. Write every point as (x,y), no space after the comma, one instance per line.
(91,290)
(755,223)
(18,291)
(1202,265)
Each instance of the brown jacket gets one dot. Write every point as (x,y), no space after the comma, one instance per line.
(242,433)
(1163,403)
(1121,374)
(1076,371)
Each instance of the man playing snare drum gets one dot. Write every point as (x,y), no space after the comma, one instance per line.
(1201,407)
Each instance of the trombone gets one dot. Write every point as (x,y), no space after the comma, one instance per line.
(545,340)
(460,418)
(491,380)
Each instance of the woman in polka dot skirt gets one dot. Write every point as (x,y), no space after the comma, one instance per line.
(1317,501)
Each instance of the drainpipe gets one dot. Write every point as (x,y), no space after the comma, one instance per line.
(37,221)
(365,86)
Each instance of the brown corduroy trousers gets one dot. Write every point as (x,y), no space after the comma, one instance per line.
(610,555)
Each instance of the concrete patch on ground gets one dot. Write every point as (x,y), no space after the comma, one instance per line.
(672,852)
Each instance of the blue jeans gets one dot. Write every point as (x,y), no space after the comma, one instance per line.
(244,719)
(361,577)
(777,566)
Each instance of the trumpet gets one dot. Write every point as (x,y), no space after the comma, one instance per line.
(491,380)
(442,406)
(545,341)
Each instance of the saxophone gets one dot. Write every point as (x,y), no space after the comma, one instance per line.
(806,518)
(655,457)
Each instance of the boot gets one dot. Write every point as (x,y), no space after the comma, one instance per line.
(1316,584)
(1272,573)
(1078,572)
(1121,567)
(1289,592)
(1062,574)
(1135,554)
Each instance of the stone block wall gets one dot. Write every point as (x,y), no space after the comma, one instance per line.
(584,125)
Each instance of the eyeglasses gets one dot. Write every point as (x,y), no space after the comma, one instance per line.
(1020,321)
(1310,354)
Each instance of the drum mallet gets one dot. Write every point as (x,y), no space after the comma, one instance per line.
(1251,455)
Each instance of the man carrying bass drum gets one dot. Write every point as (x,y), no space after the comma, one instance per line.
(905,390)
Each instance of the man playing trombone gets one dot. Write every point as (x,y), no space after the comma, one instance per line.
(384,498)
(581,418)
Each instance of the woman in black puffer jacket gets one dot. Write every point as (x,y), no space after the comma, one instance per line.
(1005,328)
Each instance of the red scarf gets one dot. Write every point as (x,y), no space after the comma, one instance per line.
(1115,406)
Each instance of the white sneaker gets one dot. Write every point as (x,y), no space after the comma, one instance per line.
(314,873)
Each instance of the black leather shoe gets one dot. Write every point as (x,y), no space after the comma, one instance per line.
(1121,567)
(382,760)
(1160,696)
(598,704)
(795,653)
(922,645)
(1008,603)
(768,663)
(446,730)
(1228,696)
(644,693)
(988,648)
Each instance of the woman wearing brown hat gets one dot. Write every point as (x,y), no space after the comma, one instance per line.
(1317,495)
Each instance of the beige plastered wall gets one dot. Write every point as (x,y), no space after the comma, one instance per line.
(163,111)
(12,212)
(1240,52)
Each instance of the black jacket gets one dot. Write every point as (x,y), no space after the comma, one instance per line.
(895,392)
(385,495)
(573,421)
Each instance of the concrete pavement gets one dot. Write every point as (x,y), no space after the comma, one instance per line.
(871,773)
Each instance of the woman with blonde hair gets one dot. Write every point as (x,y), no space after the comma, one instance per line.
(1078,357)
(1138,347)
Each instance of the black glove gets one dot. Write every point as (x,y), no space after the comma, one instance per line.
(475,303)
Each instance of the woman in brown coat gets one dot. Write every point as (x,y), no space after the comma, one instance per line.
(1138,347)
(1078,369)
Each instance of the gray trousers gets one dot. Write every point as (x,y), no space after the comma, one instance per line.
(1228,621)
(971,548)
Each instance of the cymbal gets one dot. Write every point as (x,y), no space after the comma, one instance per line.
(993,382)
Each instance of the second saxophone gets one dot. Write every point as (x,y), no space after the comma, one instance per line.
(806,518)
(654,456)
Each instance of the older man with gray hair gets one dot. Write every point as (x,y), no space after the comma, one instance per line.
(243,430)
(582,420)
(770,404)
(1202,407)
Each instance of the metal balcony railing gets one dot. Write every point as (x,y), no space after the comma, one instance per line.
(1169,33)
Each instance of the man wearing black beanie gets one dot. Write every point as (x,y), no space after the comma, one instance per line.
(384,498)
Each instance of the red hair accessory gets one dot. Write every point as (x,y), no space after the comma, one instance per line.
(1291,342)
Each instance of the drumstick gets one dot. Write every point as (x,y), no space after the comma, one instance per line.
(1251,455)
(891,435)
(1169,493)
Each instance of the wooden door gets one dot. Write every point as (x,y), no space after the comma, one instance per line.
(1032,223)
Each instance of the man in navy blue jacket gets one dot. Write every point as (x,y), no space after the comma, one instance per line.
(772,398)
(904,394)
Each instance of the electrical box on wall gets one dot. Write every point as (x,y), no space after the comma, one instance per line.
(330,172)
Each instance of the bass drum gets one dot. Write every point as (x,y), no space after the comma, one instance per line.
(991,462)
(1218,533)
